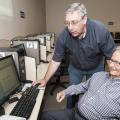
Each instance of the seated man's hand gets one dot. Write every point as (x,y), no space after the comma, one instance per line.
(41,83)
(60,96)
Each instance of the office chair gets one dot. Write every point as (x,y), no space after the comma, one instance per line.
(62,71)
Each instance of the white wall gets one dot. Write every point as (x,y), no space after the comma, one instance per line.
(34,21)
(37,16)
(103,10)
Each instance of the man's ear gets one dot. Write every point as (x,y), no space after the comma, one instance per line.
(84,19)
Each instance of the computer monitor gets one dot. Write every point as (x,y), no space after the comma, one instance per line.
(18,53)
(117,35)
(20,49)
(9,79)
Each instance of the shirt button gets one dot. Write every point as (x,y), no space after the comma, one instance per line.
(91,98)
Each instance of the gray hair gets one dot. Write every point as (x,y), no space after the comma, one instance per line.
(77,7)
(116,50)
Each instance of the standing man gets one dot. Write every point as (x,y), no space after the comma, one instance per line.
(87,42)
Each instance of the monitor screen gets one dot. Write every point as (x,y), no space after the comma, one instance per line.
(9,80)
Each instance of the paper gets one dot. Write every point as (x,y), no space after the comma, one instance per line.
(30,67)
(43,53)
(29,45)
(35,45)
(26,86)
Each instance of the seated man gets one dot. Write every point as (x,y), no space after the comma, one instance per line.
(101,99)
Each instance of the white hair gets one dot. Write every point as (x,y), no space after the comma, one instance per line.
(79,7)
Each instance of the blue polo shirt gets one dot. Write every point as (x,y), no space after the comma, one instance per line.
(88,52)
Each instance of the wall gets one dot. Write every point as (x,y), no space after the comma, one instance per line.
(103,10)
(34,21)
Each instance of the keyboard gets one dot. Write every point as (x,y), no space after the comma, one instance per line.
(26,103)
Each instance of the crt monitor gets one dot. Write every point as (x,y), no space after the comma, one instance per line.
(20,49)
(9,80)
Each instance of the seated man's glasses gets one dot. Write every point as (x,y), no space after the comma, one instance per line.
(115,63)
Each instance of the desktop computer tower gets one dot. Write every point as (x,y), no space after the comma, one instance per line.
(52,36)
(117,35)
(32,48)
(48,41)
(117,38)
(43,47)
(18,58)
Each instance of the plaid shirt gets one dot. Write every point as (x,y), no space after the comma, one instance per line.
(101,99)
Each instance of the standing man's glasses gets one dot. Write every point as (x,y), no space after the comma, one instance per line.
(73,23)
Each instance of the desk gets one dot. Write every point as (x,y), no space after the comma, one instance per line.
(41,70)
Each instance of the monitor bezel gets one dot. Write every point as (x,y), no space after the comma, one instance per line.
(5,98)
(20,46)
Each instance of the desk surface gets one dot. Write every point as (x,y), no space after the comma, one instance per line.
(41,70)
(8,107)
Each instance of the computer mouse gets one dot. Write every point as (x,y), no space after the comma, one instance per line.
(2,111)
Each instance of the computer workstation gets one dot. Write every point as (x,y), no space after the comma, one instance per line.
(10,83)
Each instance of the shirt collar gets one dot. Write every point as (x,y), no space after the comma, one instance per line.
(113,78)
(84,33)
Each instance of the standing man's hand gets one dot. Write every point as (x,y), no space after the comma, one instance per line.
(60,96)
(53,66)
(41,83)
